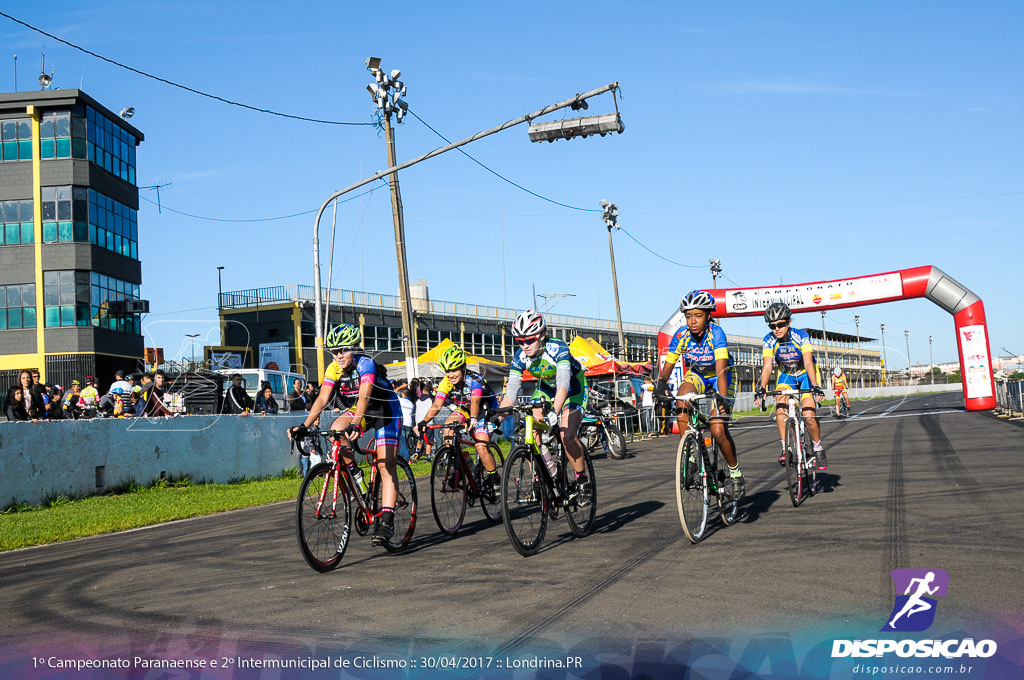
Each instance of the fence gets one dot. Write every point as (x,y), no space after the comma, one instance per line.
(1010,399)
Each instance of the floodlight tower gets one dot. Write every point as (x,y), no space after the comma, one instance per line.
(610,215)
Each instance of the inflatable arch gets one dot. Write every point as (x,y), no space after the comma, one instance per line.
(927,282)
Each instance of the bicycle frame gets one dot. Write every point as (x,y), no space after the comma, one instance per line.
(801,475)
(349,484)
(459,440)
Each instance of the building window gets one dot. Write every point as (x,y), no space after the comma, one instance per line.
(110,146)
(483,343)
(16,139)
(16,224)
(382,339)
(112,225)
(18,306)
(81,298)
(55,135)
(428,339)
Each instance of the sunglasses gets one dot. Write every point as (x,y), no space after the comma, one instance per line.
(528,341)
(780,324)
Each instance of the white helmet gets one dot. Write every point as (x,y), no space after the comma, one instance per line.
(837,371)
(528,324)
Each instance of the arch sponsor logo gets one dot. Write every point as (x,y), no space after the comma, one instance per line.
(916,603)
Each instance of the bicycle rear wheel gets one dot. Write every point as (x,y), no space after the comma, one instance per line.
(728,506)
(447,491)
(523,502)
(794,473)
(490,496)
(692,497)
(405,506)
(580,517)
(810,472)
(323,534)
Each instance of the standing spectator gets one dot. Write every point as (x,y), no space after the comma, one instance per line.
(120,381)
(71,401)
(154,402)
(56,404)
(16,404)
(647,406)
(424,400)
(296,401)
(265,402)
(310,393)
(407,421)
(90,398)
(237,401)
(31,397)
(40,397)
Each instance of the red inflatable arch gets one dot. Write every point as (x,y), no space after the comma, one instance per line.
(927,282)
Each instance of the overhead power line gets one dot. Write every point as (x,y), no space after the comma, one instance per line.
(178,85)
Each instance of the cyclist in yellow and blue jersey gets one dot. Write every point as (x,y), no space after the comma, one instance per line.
(370,403)
(560,380)
(791,349)
(470,399)
(704,348)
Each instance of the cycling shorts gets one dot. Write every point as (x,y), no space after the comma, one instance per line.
(796,382)
(386,426)
(576,402)
(481,423)
(702,384)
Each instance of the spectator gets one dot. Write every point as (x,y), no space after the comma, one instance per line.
(145,381)
(40,397)
(154,397)
(265,402)
(56,405)
(647,406)
(90,398)
(72,399)
(236,400)
(32,398)
(296,400)
(311,393)
(16,404)
(136,405)
(122,382)
(407,421)
(424,399)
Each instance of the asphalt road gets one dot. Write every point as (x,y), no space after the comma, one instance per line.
(912,483)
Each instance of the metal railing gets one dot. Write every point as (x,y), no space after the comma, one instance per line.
(1010,399)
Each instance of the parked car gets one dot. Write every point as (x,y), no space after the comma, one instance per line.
(280,382)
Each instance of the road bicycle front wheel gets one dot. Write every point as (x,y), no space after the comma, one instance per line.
(692,497)
(580,516)
(524,502)
(794,471)
(810,472)
(728,505)
(616,442)
(447,491)
(323,528)
(490,486)
(405,506)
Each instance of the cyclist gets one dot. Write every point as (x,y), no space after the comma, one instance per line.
(470,399)
(560,380)
(371,404)
(839,388)
(791,349)
(704,348)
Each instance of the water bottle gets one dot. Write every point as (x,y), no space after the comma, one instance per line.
(357,477)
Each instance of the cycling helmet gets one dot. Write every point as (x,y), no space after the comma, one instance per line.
(697,299)
(344,336)
(452,359)
(528,324)
(777,311)
(117,390)
(837,371)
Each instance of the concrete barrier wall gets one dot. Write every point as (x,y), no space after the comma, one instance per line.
(83,457)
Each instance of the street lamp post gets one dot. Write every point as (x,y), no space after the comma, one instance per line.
(192,337)
(931,363)
(910,374)
(824,339)
(716,271)
(860,359)
(610,214)
(317,299)
(885,360)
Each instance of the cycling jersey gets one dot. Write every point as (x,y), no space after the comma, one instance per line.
(839,384)
(789,352)
(460,397)
(555,367)
(700,355)
(383,412)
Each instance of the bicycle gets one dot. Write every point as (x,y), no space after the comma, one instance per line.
(533,490)
(323,509)
(456,483)
(841,409)
(801,470)
(701,471)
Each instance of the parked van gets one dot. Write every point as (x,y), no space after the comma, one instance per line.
(280,383)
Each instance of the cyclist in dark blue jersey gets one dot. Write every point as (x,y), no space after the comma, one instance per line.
(560,380)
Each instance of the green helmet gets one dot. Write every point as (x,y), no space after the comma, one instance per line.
(452,359)
(343,336)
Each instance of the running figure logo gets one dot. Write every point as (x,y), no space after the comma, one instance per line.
(914,610)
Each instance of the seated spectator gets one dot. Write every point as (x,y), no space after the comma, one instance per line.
(136,404)
(296,398)
(16,404)
(154,397)
(236,400)
(265,402)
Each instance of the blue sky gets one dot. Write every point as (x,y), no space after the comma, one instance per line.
(794,141)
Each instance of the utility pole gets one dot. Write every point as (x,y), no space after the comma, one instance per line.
(885,361)
(824,339)
(860,358)
(906,334)
(931,363)
(716,271)
(389,102)
(610,215)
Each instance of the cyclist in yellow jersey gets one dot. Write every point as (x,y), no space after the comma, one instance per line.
(470,399)
(839,387)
